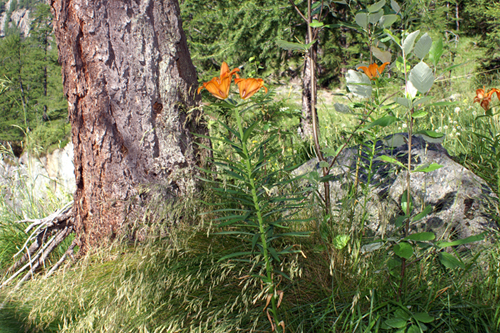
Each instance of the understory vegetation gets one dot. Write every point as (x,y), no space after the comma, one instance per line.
(257,250)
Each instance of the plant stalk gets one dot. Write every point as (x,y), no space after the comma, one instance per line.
(317,146)
(262,231)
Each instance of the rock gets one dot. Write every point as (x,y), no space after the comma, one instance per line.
(20,18)
(460,200)
(21,178)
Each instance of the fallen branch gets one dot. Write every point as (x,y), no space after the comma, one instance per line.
(46,235)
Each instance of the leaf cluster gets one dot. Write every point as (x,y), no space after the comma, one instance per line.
(242,175)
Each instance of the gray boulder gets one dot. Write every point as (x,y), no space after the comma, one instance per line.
(462,203)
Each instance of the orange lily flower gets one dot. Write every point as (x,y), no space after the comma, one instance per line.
(373,70)
(248,87)
(219,86)
(484,99)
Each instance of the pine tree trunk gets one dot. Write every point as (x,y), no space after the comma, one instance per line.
(130,84)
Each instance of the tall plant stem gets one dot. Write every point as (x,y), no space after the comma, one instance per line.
(262,231)
(408,178)
(408,196)
(317,146)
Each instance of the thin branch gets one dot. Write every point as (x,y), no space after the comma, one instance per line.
(56,228)
(298,10)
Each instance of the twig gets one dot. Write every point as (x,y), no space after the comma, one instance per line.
(298,10)
(57,226)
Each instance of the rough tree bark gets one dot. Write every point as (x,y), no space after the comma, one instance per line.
(306,122)
(130,84)
(308,100)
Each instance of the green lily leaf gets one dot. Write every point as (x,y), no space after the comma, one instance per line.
(389,159)
(462,241)
(427,210)
(428,168)
(449,261)
(421,236)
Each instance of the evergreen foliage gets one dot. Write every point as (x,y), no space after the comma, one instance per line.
(33,98)
(235,31)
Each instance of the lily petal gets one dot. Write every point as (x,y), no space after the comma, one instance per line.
(248,87)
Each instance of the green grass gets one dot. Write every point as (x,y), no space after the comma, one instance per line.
(176,284)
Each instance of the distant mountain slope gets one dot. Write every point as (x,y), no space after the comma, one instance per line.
(15,15)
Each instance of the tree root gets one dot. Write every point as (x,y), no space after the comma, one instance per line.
(46,236)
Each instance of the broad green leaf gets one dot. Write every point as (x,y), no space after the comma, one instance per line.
(396,322)
(406,102)
(361,20)
(383,56)
(359,84)
(342,108)
(290,46)
(375,17)
(403,250)
(413,329)
(427,210)
(462,241)
(442,104)
(400,313)
(423,46)
(395,140)
(420,114)
(395,6)
(376,6)
(428,168)
(436,51)
(431,134)
(382,122)
(324,164)
(423,317)
(393,37)
(422,77)
(340,241)
(387,20)
(404,202)
(389,159)
(421,237)
(449,261)
(409,42)
(316,24)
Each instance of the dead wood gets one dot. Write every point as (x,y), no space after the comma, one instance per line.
(46,235)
